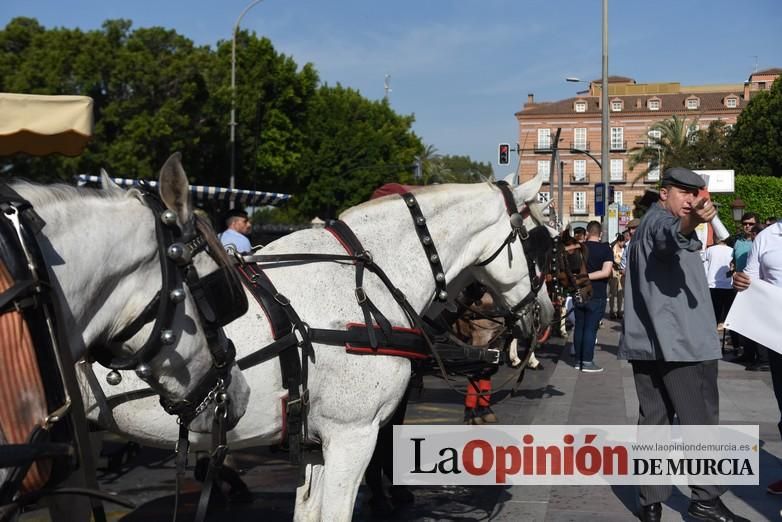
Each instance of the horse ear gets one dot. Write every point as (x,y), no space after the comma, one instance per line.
(174,187)
(108,184)
(511,179)
(528,191)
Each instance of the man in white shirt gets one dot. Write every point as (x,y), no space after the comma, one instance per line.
(765,262)
(237,227)
(717,264)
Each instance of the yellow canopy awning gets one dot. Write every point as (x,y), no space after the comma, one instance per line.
(39,125)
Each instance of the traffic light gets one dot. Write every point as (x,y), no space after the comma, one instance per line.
(504,154)
(610,194)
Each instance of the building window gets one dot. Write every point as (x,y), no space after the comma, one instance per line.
(579,170)
(617,170)
(579,202)
(617,138)
(543,198)
(581,106)
(616,105)
(618,197)
(580,139)
(731,103)
(692,103)
(655,135)
(544,138)
(654,105)
(544,168)
(654,172)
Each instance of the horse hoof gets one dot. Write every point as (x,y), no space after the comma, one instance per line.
(489,418)
(401,496)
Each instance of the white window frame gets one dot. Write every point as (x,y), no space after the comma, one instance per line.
(654,105)
(617,170)
(652,134)
(692,103)
(580,106)
(580,138)
(544,166)
(543,198)
(579,170)
(616,106)
(544,138)
(654,172)
(618,197)
(731,103)
(617,138)
(579,201)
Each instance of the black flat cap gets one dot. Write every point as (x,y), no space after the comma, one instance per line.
(684,178)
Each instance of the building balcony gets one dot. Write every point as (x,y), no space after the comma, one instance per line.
(576,210)
(579,179)
(654,178)
(618,147)
(579,146)
(542,148)
(618,177)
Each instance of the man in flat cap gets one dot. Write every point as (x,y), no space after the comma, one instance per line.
(669,335)
(237,224)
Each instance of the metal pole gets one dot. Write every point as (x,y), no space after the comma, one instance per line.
(232,123)
(605,126)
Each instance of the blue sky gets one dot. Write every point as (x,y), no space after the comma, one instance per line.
(463,67)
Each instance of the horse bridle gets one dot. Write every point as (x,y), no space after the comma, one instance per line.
(529,305)
(520,232)
(219,299)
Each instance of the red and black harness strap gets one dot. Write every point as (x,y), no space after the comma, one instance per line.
(290,334)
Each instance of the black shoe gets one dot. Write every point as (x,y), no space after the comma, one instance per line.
(651,513)
(713,510)
(758,367)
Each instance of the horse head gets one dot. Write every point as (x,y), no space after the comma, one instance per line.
(144,285)
(518,278)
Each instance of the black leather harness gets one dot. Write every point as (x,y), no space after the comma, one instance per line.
(376,335)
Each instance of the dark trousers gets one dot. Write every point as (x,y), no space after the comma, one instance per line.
(688,390)
(775,362)
(588,318)
(721,299)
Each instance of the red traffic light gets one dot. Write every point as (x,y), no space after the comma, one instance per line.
(503,156)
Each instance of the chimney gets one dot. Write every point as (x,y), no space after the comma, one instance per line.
(746,91)
(530,99)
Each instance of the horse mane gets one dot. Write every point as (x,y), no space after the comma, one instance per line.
(43,195)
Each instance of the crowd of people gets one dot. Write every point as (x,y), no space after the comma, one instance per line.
(672,298)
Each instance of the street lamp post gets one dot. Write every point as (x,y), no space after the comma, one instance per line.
(604,122)
(232,123)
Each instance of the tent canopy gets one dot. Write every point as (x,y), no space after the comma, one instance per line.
(247,198)
(39,125)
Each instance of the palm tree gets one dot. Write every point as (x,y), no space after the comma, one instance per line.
(668,144)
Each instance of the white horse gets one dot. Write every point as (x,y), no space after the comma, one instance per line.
(351,396)
(104,260)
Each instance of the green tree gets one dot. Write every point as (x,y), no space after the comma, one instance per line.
(671,148)
(709,147)
(755,145)
(354,146)
(462,169)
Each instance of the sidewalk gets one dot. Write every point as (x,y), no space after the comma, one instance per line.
(609,398)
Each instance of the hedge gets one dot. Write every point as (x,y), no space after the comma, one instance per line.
(760,194)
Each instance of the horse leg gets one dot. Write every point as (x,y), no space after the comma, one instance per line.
(346,455)
(309,496)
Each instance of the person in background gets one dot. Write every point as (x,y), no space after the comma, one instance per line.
(669,336)
(630,230)
(717,265)
(765,262)
(237,227)
(771,220)
(615,294)
(588,315)
(753,355)
(579,234)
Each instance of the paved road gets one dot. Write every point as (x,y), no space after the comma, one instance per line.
(556,395)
